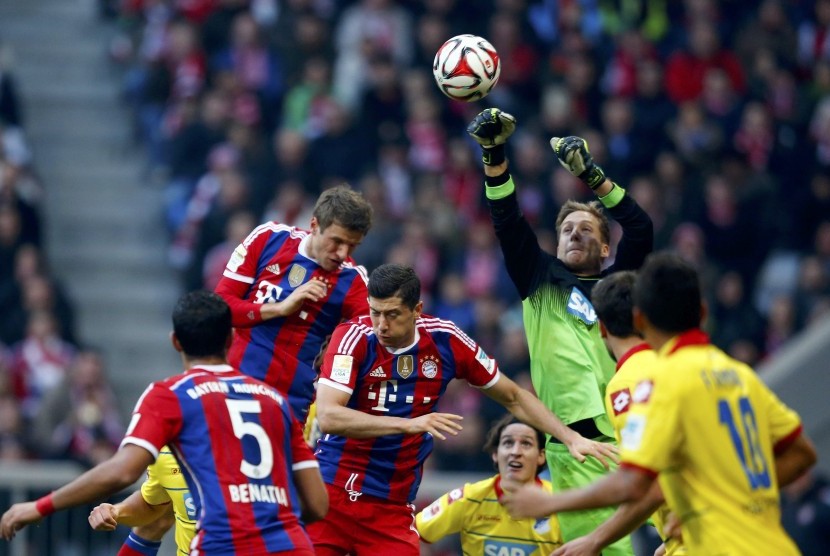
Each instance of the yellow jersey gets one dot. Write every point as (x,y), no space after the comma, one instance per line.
(710,428)
(165,483)
(485,525)
(634,366)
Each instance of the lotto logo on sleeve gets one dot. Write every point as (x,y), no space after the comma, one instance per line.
(455,495)
(341,368)
(620,401)
(431,511)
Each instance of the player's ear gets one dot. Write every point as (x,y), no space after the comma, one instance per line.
(175,341)
(419,307)
(540,461)
(315,224)
(605,250)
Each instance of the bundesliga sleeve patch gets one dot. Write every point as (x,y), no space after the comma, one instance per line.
(431,511)
(632,433)
(237,258)
(642,392)
(341,368)
(485,361)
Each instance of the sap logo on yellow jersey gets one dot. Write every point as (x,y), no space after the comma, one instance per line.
(497,548)
(580,307)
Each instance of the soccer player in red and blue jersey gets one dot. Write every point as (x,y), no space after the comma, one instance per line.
(381,378)
(289,288)
(240,449)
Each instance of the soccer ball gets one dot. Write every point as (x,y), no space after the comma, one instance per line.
(466,68)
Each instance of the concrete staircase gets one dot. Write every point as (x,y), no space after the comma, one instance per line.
(104,231)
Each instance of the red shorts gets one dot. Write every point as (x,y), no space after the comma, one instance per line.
(367,526)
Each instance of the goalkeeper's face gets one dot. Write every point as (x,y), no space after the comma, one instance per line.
(580,244)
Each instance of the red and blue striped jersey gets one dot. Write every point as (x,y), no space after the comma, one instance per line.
(266,268)
(238,444)
(403,383)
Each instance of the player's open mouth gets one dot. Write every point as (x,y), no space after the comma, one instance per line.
(515,465)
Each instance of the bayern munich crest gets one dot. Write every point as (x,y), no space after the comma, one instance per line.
(429,367)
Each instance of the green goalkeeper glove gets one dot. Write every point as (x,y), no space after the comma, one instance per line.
(490,129)
(573,154)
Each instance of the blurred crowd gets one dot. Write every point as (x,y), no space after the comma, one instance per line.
(715,115)
(55,399)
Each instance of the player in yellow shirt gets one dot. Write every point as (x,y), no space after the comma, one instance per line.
(474,510)
(720,441)
(612,300)
(165,485)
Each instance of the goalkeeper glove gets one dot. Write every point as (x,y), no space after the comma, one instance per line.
(573,154)
(490,129)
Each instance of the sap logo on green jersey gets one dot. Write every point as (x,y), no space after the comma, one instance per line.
(581,308)
(496,548)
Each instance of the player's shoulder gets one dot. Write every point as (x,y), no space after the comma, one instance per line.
(442,329)
(354,331)
(350,269)
(270,229)
(477,491)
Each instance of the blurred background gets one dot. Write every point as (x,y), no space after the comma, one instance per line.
(141,140)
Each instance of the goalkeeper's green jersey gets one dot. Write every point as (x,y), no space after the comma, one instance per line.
(569,363)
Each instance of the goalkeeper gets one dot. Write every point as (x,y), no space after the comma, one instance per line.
(569,363)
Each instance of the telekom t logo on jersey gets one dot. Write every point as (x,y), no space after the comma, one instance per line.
(386,391)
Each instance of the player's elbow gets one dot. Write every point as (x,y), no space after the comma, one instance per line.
(316,506)
(328,421)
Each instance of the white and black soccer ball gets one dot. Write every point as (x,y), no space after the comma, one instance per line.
(466,68)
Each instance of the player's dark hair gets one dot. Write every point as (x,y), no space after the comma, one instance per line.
(667,291)
(394,280)
(491,443)
(612,298)
(343,206)
(593,208)
(202,323)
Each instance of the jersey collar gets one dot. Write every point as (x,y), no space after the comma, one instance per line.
(636,349)
(213,368)
(406,348)
(694,337)
(302,248)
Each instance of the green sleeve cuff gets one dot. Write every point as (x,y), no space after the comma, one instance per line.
(613,197)
(496,192)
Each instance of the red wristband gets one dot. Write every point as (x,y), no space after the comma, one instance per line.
(44,505)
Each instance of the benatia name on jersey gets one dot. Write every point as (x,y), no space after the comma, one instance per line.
(250,492)
(200,390)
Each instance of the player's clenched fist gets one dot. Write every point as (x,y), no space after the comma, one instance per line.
(103,517)
(490,129)
(572,153)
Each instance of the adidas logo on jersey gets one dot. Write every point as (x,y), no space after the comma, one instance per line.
(274,268)
(378,373)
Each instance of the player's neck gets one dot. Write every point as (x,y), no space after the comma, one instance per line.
(621,346)
(190,362)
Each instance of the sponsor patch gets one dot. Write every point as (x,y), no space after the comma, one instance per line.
(296,275)
(455,495)
(341,368)
(485,361)
(237,258)
(429,367)
(620,401)
(580,307)
(642,392)
(504,548)
(406,365)
(632,433)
